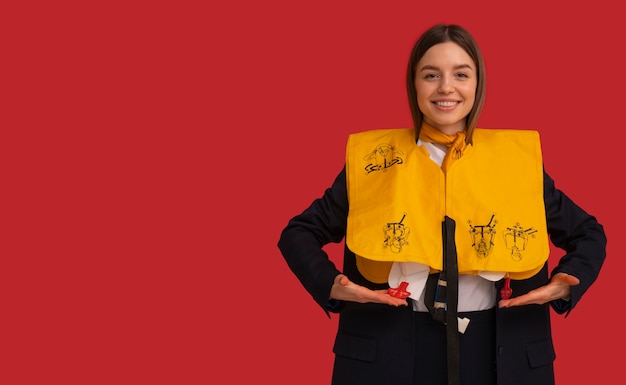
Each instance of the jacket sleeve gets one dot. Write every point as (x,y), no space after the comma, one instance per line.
(581,237)
(302,240)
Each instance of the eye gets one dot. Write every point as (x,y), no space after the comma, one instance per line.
(462,75)
(430,76)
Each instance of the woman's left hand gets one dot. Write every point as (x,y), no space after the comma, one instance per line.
(558,287)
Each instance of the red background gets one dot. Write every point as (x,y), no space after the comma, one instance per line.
(153,152)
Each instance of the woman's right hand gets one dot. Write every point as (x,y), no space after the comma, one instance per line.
(346,290)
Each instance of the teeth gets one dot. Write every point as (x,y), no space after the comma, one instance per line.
(446,104)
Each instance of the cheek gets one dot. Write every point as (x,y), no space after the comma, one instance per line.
(469,96)
(470,92)
(422,104)
(422,96)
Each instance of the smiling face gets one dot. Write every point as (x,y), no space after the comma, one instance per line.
(445,83)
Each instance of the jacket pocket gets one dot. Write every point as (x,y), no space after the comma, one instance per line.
(358,348)
(540,353)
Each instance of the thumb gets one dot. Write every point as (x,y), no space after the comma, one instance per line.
(342,280)
(571,280)
(567,279)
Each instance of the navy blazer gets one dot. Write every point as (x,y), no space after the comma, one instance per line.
(370,336)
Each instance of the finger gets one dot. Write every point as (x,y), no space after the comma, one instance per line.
(342,280)
(571,280)
(518,301)
(393,301)
(382,296)
(566,279)
(532,297)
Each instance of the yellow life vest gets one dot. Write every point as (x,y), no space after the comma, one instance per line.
(398,198)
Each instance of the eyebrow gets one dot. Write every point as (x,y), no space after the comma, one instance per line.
(457,67)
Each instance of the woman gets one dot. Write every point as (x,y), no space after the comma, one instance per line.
(445,276)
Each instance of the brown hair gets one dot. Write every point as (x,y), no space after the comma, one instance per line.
(442,33)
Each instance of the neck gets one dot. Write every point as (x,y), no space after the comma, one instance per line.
(448,129)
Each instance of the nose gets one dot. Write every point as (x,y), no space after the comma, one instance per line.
(445,85)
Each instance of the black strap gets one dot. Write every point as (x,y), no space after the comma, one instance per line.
(435,296)
(441,297)
(452,299)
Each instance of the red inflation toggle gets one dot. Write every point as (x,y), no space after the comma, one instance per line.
(400,291)
(505,292)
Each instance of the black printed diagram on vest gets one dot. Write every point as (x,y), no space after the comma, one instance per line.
(383,157)
(396,235)
(483,236)
(516,239)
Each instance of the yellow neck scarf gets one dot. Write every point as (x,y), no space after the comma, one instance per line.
(455,143)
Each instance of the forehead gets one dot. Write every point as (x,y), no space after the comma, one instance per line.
(448,54)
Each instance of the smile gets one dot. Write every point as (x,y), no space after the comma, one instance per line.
(446,104)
